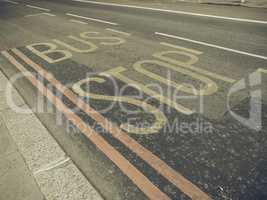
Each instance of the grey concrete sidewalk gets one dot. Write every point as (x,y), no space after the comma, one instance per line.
(32,165)
(16,180)
(255,3)
(248,3)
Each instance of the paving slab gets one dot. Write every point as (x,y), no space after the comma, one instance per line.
(34,141)
(16,181)
(32,159)
(7,144)
(58,179)
(8,95)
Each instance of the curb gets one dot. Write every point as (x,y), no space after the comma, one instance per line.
(55,173)
(223,3)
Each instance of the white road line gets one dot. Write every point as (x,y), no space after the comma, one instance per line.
(39,8)
(212,45)
(175,12)
(92,19)
(33,15)
(117,31)
(77,21)
(202,71)
(13,2)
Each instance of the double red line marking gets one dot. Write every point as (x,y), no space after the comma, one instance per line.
(122,163)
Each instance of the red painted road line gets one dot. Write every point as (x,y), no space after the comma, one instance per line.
(123,164)
(155,162)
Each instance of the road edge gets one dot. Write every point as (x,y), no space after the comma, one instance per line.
(53,170)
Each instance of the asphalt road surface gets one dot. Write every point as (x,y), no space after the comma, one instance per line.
(149,103)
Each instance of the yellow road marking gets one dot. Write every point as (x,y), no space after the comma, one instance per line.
(210,86)
(94,36)
(138,178)
(116,72)
(52,49)
(92,46)
(262,70)
(141,181)
(189,65)
(213,45)
(160,119)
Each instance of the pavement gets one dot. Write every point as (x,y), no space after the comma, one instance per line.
(229,3)
(33,166)
(247,3)
(142,100)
